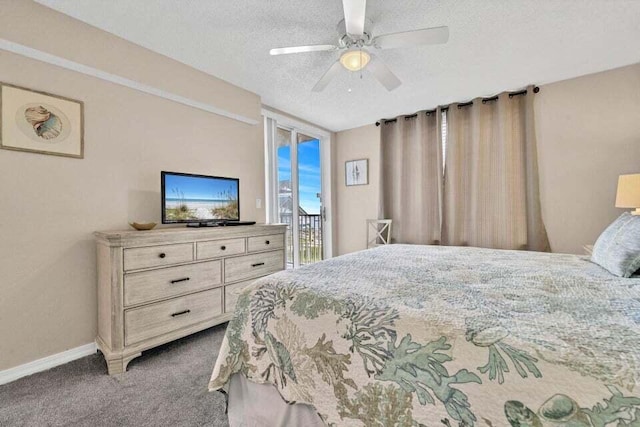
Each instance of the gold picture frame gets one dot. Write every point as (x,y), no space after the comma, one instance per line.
(40,122)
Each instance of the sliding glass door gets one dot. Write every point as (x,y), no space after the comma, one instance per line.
(309,199)
(295,166)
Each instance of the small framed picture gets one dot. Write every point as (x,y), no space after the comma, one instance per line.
(356,172)
(40,122)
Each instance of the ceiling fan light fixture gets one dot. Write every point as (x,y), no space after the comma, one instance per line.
(355,60)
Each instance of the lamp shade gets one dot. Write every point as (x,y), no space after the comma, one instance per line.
(355,60)
(628,191)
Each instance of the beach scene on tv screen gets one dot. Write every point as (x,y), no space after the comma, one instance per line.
(195,198)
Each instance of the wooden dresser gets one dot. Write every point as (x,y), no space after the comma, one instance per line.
(159,285)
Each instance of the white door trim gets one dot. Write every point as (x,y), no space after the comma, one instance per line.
(327,185)
(295,196)
(290,122)
(325,164)
(271,172)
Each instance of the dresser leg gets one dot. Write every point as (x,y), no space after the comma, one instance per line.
(118,365)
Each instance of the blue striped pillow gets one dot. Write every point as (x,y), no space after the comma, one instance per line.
(618,247)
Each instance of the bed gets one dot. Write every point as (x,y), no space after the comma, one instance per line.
(408,335)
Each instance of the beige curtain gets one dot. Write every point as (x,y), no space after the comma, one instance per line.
(411,177)
(491,197)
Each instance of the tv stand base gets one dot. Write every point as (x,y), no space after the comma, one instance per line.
(219,224)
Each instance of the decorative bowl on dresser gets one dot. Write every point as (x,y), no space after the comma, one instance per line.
(160,285)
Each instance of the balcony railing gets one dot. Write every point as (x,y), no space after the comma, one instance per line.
(310,232)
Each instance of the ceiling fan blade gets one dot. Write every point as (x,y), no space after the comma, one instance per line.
(354,16)
(436,35)
(327,77)
(302,49)
(384,75)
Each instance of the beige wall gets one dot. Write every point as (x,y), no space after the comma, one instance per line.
(355,204)
(588,133)
(49,206)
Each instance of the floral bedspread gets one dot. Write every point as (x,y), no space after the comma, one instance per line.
(405,335)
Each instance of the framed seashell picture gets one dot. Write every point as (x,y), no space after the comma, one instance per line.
(40,122)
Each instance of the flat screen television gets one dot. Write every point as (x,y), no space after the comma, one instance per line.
(188,198)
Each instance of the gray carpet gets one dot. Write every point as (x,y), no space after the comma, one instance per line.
(166,386)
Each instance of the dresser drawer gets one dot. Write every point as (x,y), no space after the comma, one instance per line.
(264,243)
(231,294)
(250,266)
(218,248)
(167,316)
(152,285)
(157,256)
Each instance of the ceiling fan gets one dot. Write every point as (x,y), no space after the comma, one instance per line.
(357,45)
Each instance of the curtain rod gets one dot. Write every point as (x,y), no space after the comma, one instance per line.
(536,89)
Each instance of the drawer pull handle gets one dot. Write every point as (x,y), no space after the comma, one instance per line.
(180,313)
(224,248)
(257,264)
(184,279)
(162,255)
(267,242)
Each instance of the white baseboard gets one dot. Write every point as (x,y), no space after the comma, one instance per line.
(46,363)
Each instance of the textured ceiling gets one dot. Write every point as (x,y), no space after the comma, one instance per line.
(494,45)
